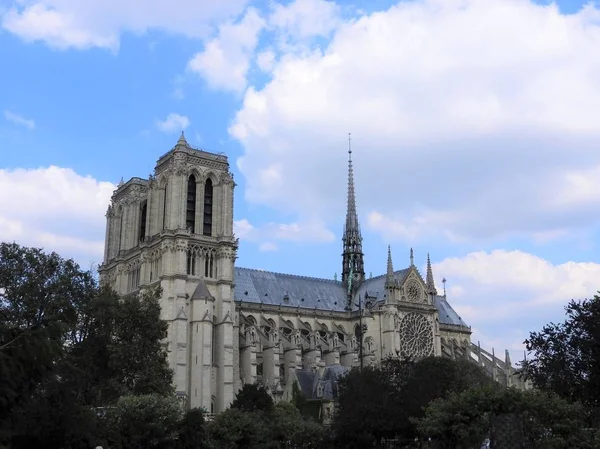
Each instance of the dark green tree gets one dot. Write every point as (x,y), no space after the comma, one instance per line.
(39,297)
(192,434)
(432,378)
(566,356)
(251,398)
(369,408)
(463,420)
(381,403)
(143,422)
(119,350)
(237,429)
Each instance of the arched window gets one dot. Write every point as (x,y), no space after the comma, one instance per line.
(143,221)
(164,212)
(208,207)
(191,263)
(190,212)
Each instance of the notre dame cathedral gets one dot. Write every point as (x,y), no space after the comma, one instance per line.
(230,325)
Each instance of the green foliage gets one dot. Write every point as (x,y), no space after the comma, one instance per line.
(67,346)
(289,427)
(381,403)
(281,426)
(369,409)
(143,422)
(39,297)
(252,398)
(191,432)
(566,357)
(463,420)
(120,350)
(235,428)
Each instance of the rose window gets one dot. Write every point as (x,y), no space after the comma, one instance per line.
(416,336)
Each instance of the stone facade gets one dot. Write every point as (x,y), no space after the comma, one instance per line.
(230,325)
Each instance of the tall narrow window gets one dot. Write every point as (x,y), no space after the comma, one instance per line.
(208,206)
(164,217)
(143,221)
(121,220)
(191,263)
(190,211)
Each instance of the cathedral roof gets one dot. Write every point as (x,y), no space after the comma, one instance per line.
(266,287)
(310,380)
(288,290)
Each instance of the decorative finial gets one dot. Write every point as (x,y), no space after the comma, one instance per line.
(349,148)
(429,278)
(444,282)
(335,276)
(182,140)
(412,258)
(121,182)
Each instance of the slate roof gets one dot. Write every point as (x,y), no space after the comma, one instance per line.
(288,290)
(309,381)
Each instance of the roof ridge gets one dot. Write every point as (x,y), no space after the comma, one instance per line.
(297,276)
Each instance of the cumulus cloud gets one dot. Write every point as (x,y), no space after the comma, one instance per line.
(504,294)
(66,24)
(55,208)
(469,119)
(19,120)
(225,60)
(301,20)
(266,235)
(173,123)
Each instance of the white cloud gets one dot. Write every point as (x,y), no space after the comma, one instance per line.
(173,123)
(225,60)
(63,24)
(504,294)
(304,19)
(469,119)
(266,235)
(54,208)
(268,246)
(19,120)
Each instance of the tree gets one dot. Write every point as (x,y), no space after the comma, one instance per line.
(288,427)
(463,420)
(369,408)
(39,297)
(119,350)
(68,346)
(238,429)
(143,422)
(380,403)
(566,356)
(436,377)
(192,434)
(251,398)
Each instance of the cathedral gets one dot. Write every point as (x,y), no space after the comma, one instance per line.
(229,325)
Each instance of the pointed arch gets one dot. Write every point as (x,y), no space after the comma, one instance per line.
(190,210)
(208,206)
(143,220)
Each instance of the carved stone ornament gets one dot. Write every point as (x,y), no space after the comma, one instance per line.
(226,178)
(416,336)
(413,291)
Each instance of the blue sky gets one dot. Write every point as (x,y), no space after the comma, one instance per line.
(475,127)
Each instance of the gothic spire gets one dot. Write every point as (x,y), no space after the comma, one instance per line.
(429,280)
(182,140)
(352,239)
(390,265)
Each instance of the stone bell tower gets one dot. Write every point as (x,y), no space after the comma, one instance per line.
(175,230)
